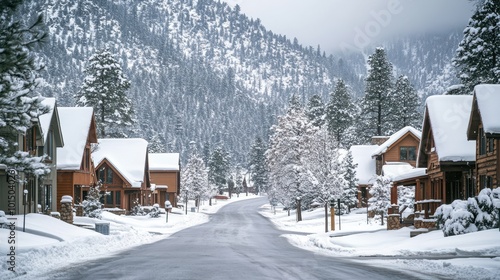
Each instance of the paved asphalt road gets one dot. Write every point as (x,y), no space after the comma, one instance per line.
(238,243)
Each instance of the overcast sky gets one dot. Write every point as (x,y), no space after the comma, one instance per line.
(355,23)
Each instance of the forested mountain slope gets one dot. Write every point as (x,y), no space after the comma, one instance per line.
(202,71)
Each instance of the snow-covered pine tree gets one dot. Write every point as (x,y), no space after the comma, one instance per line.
(323,170)
(219,168)
(350,192)
(19,103)
(194,179)
(288,145)
(238,181)
(92,206)
(477,56)
(380,199)
(405,111)
(155,144)
(316,110)
(340,112)
(258,167)
(377,102)
(105,89)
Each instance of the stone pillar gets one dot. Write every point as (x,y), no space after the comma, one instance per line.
(393,222)
(67,209)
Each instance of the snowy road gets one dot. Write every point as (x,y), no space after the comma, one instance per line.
(237,243)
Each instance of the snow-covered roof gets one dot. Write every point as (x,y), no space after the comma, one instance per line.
(449,118)
(394,138)
(488,102)
(164,162)
(75,125)
(366,169)
(409,174)
(45,120)
(127,155)
(394,169)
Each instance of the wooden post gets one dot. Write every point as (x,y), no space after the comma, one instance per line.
(332,217)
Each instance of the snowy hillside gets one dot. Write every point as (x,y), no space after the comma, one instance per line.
(202,71)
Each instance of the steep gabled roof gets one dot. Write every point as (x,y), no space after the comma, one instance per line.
(164,162)
(485,110)
(366,169)
(395,138)
(446,119)
(78,125)
(51,117)
(129,156)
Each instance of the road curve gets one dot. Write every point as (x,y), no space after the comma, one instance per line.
(237,243)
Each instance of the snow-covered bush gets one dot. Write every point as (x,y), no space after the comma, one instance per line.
(137,209)
(406,198)
(474,214)
(92,206)
(155,211)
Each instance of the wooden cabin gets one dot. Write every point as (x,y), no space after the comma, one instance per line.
(164,171)
(484,129)
(75,169)
(122,167)
(400,147)
(445,152)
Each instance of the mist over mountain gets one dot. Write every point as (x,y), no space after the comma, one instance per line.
(203,71)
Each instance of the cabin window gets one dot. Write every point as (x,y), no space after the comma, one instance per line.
(118,200)
(491,145)
(407,153)
(48,149)
(482,142)
(485,181)
(30,142)
(105,175)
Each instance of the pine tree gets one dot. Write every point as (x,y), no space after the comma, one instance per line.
(323,168)
(288,145)
(238,181)
(405,112)
(340,112)
(258,168)
(377,102)
(477,58)
(316,110)
(350,191)
(380,199)
(194,179)
(92,206)
(104,88)
(19,103)
(219,168)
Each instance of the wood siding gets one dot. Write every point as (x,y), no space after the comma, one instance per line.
(487,164)
(170,179)
(393,152)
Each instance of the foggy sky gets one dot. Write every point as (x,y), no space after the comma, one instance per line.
(341,24)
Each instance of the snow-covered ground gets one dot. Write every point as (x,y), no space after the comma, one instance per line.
(49,243)
(472,256)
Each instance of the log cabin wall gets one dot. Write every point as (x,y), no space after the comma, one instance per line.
(487,161)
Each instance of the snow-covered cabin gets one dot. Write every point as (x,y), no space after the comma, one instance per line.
(123,168)
(365,169)
(446,153)
(484,129)
(75,169)
(164,171)
(399,147)
(43,138)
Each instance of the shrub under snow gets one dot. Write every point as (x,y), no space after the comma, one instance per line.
(474,214)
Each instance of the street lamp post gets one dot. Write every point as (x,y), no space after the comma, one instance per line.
(299,210)
(187,192)
(25,202)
